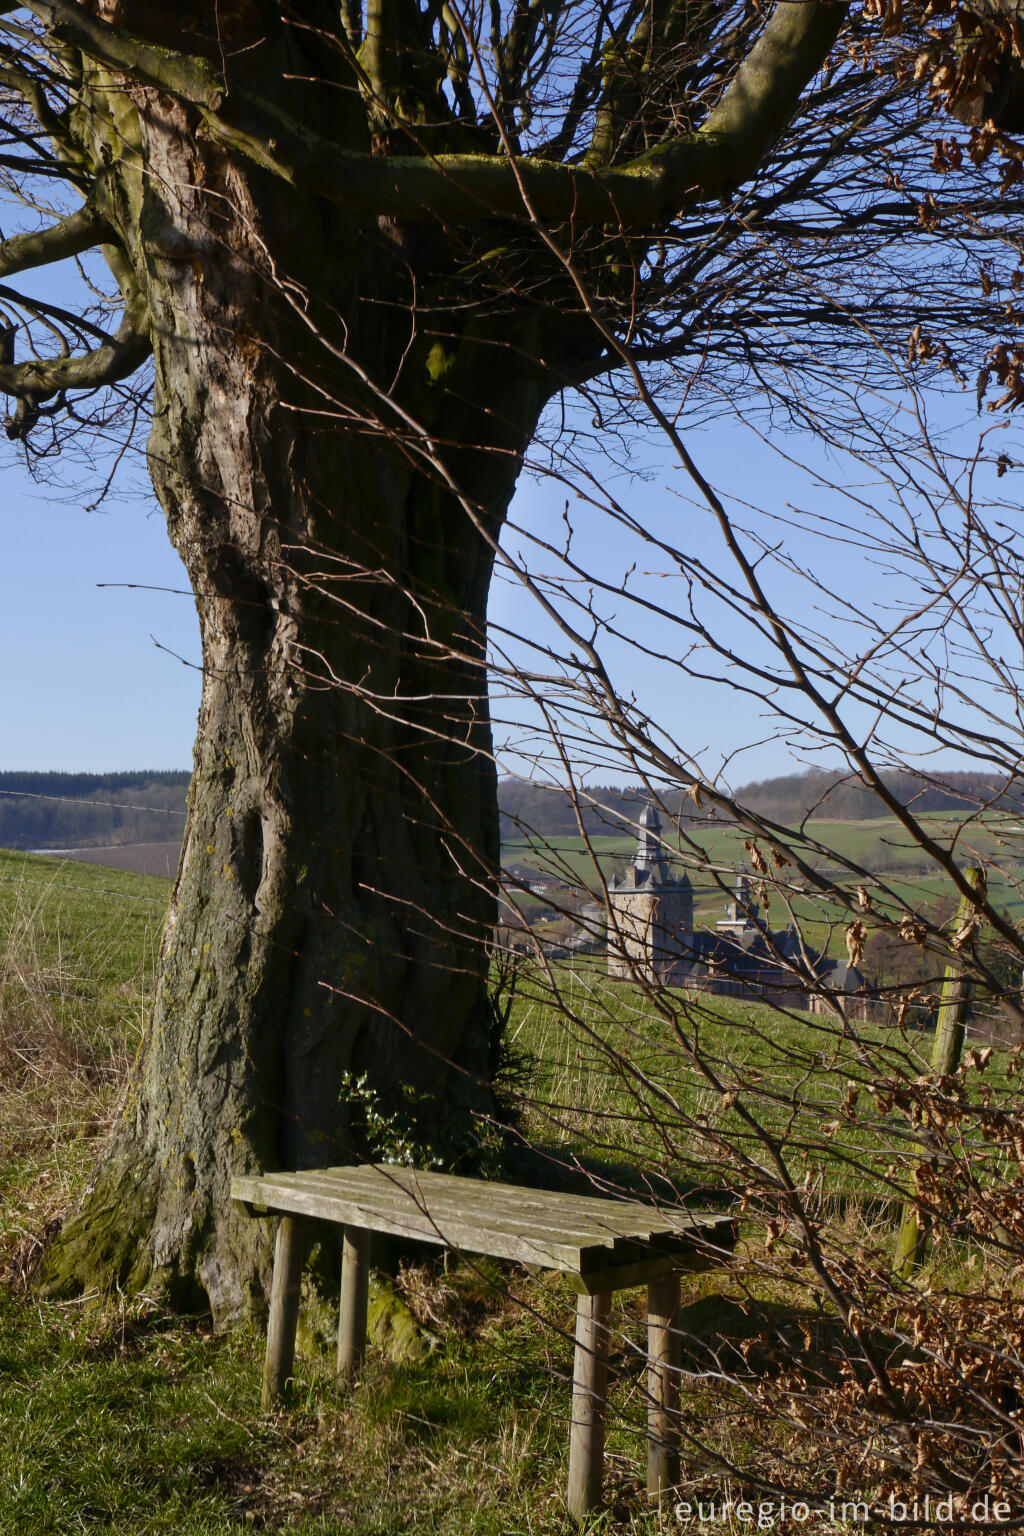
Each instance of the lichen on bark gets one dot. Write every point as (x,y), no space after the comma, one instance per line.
(356,316)
(335,893)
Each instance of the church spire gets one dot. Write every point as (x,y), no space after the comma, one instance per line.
(650,850)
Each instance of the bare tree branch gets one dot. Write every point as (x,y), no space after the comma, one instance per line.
(647,191)
(113,360)
(79,232)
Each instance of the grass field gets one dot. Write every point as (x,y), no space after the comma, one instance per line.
(116,1417)
(78,947)
(98,927)
(877,845)
(897,874)
(665,1090)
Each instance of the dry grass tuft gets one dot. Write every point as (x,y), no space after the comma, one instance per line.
(461,1303)
(69,1022)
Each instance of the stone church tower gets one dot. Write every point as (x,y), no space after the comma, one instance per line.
(650,912)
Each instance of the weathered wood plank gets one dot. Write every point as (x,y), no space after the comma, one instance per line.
(346,1211)
(397,1206)
(525,1211)
(664,1359)
(505,1221)
(429,1212)
(284,1307)
(585,1258)
(426,1177)
(533,1227)
(355,1291)
(589,1404)
(620,1215)
(439,1206)
(430,1178)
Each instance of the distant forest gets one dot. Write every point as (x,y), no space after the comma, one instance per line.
(535,809)
(91,810)
(94,810)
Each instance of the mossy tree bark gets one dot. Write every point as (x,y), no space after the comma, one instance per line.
(335,890)
(324,231)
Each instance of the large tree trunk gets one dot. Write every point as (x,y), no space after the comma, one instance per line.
(335,892)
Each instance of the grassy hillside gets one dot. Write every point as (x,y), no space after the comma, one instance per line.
(879,846)
(78,948)
(117,1417)
(72,810)
(92,931)
(894,868)
(632,1081)
(539,810)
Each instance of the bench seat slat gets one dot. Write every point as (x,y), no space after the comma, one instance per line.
(631,1244)
(588,1207)
(528,1212)
(442,1212)
(673,1233)
(472,1199)
(574,1233)
(411,1223)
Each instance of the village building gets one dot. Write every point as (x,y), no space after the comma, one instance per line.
(651,935)
(650,916)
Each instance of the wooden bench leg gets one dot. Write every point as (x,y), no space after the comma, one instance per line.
(589,1392)
(664,1354)
(284,1307)
(355,1290)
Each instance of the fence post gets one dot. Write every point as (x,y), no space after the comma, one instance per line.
(955,1006)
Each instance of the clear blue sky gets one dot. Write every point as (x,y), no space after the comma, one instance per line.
(102,670)
(831,515)
(85,686)
(94,681)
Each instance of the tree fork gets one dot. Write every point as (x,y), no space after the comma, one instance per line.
(335,893)
(334,469)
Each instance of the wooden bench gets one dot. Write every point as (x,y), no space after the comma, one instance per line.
(601,1245)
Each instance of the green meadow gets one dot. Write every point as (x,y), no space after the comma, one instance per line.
(877,845)
(118,1417)
(896,873)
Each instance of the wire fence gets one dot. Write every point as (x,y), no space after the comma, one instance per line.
(115,805)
